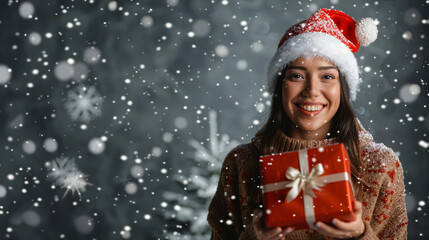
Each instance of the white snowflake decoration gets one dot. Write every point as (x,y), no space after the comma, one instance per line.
(84,104)
(64,173)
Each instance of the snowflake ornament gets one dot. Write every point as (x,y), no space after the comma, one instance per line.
(84,104)
(63,172)
(60,166)
(74,182)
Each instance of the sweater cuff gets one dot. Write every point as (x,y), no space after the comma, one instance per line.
(248,233)
(368,234)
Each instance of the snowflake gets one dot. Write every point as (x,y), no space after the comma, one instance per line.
(64,173)
(123,180)
(84,104)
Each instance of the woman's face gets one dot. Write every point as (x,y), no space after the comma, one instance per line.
(311,96)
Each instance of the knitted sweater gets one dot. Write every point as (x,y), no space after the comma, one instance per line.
(238,193)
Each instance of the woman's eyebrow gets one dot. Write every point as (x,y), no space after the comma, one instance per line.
(304,68)
(296,67)
(327,67)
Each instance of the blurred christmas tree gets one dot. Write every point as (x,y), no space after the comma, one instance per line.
(187,210)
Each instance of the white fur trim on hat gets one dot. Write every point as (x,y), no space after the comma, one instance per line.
(316,44)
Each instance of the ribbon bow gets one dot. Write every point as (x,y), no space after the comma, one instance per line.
(301,182)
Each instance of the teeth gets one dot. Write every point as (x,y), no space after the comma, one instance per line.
(311,108)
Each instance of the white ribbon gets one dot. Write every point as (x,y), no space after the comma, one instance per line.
(306,182)
(301,182)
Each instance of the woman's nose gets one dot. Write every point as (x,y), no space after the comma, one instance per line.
(312,87)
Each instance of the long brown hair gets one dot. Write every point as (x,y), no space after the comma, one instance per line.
(344,125)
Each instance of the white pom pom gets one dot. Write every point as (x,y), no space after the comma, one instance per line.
(366,31)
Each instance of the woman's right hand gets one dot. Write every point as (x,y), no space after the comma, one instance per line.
(262,232)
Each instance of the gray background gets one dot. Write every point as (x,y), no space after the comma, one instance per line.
(171,96)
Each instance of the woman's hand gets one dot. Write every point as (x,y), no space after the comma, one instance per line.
(344,229)
(264,233)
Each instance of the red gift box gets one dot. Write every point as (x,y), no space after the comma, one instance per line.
(306,186)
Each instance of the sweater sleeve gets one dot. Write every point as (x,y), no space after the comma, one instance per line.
(389,218)
(224,214)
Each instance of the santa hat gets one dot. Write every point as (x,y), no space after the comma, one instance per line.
(329,34)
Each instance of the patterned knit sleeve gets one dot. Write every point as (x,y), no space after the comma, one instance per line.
(387,218)
(224,214)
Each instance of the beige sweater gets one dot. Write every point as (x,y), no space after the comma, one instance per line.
(237,195)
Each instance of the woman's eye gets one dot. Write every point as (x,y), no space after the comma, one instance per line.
(328,77)
(296,76)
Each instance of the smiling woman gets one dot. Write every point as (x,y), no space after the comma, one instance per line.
(313,76)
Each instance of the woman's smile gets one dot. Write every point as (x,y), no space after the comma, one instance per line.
(310,108)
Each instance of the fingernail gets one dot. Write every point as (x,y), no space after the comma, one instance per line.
(318,225)
(259,213)
(334,222)
(278,230)
(288,231)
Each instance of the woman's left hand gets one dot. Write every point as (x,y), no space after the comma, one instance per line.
(342,229)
